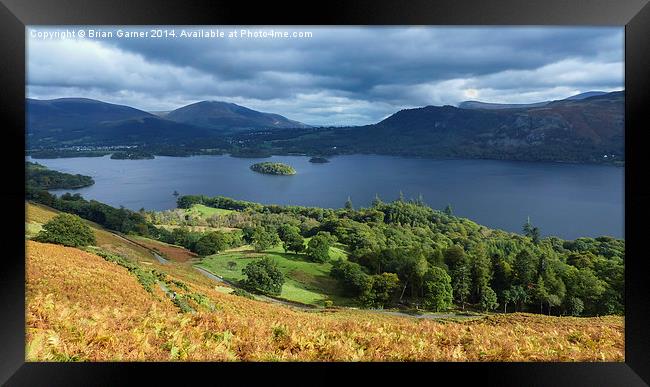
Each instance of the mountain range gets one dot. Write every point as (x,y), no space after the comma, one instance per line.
(82,121)
(583,128)
(568,130)
(572,130)
(489,105)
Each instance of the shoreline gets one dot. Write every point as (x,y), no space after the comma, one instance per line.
(333,157)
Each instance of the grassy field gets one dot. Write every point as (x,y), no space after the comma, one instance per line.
(83,308)
(306,282)
(205,211)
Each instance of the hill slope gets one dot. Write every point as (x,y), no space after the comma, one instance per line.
(229,116)
(595,122)
(76,113)
(82,308)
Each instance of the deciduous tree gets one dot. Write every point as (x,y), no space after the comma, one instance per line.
(68,230)
(264,276)
(438,294)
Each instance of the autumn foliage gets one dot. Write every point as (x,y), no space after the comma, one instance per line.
(81,307)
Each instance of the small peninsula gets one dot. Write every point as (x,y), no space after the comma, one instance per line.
(42,178)
(270,168)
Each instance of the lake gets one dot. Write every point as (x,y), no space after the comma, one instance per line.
(566,200)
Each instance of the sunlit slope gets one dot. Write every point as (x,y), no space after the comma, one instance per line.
(81,307)
(38,214)
(80,277)
(306,282)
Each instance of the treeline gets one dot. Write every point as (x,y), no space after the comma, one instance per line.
(40,177)
(405,252)
(187,201)
(202,243)
(226,203)
(117,219)
(321,143)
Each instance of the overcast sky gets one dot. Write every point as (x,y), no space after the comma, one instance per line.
(339,76)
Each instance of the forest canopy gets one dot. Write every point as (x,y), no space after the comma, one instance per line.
(487,268)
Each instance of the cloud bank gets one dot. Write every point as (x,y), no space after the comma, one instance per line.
(339,76)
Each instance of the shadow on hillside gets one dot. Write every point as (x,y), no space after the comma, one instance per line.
(314,282)
(294,257)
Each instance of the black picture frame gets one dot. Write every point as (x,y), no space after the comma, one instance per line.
(633,14)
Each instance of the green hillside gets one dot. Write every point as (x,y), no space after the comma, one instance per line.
(306,282)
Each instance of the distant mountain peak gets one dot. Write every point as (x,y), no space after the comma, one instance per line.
(222,115)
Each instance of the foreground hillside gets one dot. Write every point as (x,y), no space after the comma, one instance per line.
(81,307)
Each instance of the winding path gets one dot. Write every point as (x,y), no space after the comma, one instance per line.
(153,252)
(159,258)
(303,307)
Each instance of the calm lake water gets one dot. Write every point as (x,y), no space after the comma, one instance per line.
(562,199)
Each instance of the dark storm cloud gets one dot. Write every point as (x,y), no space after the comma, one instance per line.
(338,76)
